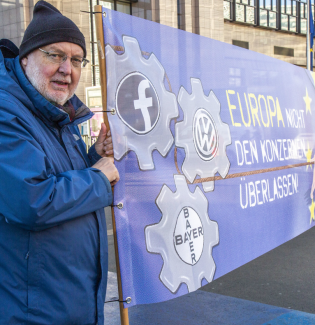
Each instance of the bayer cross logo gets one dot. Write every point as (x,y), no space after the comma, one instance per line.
(137,103)
(188,236)
(184,236)
(205,135)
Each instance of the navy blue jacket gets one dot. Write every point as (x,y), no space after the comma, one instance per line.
(53,237)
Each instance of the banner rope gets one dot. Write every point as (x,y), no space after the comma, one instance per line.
(102,111)
(253,172)
(116,300)
(91,12)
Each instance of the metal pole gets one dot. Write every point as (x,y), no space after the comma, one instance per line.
(308,53)
(101,58)
(92,42)
(89,134)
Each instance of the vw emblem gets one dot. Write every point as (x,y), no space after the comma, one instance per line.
(205,135)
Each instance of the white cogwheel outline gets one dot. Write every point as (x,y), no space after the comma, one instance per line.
(203,135)
(150,74)
(184,237)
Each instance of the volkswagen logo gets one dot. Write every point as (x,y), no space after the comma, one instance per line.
(205,135)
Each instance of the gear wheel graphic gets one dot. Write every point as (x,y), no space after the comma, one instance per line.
(203,135)
(185,243)
(143,75)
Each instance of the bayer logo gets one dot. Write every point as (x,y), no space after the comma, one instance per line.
(205,135)
(137,103)
(188,236)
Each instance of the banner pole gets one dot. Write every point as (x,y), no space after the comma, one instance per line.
(102,68)
(308,53)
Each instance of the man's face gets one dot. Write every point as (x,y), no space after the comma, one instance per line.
(56,82)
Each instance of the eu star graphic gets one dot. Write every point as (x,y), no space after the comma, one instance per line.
(308,156)
(312,208)
(307,101)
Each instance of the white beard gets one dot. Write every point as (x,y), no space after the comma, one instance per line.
(39,82)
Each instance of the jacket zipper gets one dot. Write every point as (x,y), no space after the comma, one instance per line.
(80,153)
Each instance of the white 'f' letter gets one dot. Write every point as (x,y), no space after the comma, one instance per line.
(144,103)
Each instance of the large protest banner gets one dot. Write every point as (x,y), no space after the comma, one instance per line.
(213,144)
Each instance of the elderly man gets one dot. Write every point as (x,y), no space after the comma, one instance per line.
(53,243)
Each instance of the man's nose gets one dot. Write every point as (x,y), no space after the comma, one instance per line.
(65,67)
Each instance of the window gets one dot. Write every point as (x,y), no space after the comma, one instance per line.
(303,15)
(245,11)
(227,9)
(286,15)
(122,6)
(283,51)
(268,13)
(242,44)
(108,4)
(240,10)
(289,15)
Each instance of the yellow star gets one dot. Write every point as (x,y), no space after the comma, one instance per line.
(307,101)
(312,208)
(308,156)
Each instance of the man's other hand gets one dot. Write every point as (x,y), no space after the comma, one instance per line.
(104,143)
(107,167)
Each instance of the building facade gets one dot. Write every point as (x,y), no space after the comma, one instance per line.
(273,27)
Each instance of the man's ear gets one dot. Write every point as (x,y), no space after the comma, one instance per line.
(24,62)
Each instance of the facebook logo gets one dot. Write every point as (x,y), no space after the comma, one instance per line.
(137,103)
(205,135)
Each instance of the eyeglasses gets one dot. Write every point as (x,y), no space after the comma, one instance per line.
(59,58)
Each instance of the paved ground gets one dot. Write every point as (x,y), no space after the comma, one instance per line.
(283,277)
(277,288)
(203,308)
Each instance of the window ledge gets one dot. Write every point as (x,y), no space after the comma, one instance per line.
(263,27)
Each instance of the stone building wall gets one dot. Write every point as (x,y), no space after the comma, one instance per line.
(263,41)
(15,15)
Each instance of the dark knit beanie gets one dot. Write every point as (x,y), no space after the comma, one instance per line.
(49,26)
